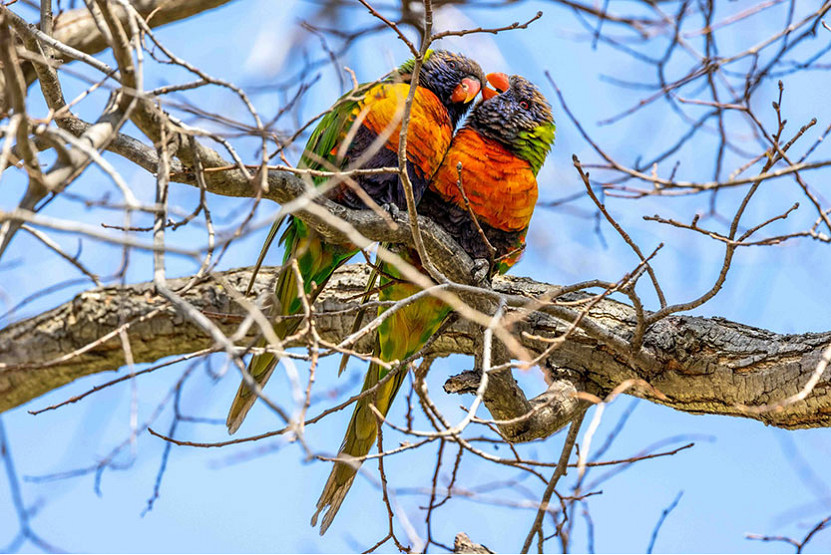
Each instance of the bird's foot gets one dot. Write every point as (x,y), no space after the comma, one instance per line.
(481,271)
(391,208)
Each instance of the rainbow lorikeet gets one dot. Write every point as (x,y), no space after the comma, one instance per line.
(362,131)
(501,148)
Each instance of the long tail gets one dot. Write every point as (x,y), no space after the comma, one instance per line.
(360,437)
(317,261)
(399,336)
(262,366)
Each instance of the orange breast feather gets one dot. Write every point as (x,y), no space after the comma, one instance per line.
(500,186)
(429,131)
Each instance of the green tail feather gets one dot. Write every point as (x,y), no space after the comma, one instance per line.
(316,261)
(399,337)
(262,366)
(360,437)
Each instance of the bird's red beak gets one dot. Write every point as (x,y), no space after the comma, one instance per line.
(466,90)
(498,81)
(488,93)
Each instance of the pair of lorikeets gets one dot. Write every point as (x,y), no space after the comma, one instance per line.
(500,149)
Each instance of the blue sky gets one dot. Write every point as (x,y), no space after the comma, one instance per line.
(741,477)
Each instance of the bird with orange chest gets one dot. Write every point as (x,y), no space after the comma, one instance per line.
(501,148)
(361,132)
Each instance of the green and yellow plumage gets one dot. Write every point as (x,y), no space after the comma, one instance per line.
(369,118)
(501,149)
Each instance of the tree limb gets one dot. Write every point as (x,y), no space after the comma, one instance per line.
(699,365)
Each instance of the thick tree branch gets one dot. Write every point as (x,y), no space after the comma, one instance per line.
(700,365)
(463,544)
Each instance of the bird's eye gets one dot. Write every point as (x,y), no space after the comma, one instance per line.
(523,105)
(451,65)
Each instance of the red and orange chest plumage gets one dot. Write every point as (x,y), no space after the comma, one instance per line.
(429,132)
(500,186)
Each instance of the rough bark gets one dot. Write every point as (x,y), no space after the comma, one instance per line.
(463,544)
(700,365)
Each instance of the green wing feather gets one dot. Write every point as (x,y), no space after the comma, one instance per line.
(328,134)
(316,259)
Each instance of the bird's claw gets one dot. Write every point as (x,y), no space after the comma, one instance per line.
(481,270)
(391,208)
